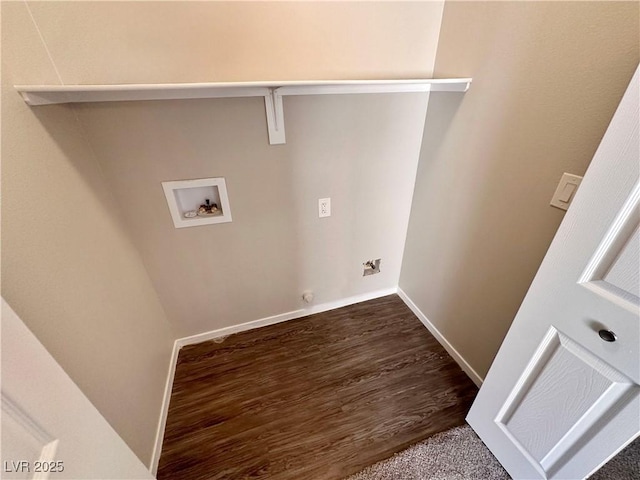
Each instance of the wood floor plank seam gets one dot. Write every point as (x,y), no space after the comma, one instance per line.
(319,397)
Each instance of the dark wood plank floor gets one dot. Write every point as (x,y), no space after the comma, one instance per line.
(316,398)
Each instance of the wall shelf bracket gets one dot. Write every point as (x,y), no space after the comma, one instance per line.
(272,91)
(275,117)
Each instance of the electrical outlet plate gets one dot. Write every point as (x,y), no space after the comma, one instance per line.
(324,207)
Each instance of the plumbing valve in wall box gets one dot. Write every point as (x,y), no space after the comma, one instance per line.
(371,267)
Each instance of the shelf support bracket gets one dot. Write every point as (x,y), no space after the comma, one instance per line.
(275,117)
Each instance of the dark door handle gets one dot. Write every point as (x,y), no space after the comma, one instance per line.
(607,335)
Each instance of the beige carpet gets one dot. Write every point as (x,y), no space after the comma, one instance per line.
(458,454)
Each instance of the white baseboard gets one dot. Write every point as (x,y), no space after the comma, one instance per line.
(223,332)
(164,410)
(283,317)
(473,375)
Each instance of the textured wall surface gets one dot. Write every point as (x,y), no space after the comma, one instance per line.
(359,150)
(69,267)
(146,42)
(547,77)
(87,239)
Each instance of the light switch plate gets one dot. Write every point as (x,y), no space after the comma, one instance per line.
(566,190)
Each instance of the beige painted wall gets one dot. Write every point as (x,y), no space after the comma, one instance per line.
(361,151)
(69,268)
(145,42)
(547,77)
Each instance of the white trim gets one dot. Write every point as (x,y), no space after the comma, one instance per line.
(177,215)
(350,89)
(223,332)
(271,91)
(363,297)
(50,94)
(164,410)
(473,375)
(275,117)
(283,317)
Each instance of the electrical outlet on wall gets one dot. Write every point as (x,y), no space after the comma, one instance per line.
(324,207)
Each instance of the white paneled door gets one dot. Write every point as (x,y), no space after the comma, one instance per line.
(49,428)
(562,396)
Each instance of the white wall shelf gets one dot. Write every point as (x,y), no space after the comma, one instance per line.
(188,195)
(271,91)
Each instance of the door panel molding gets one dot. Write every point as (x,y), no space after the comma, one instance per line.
(604,391)
(597,274)
(46,418)
(558,401)
(44,445)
